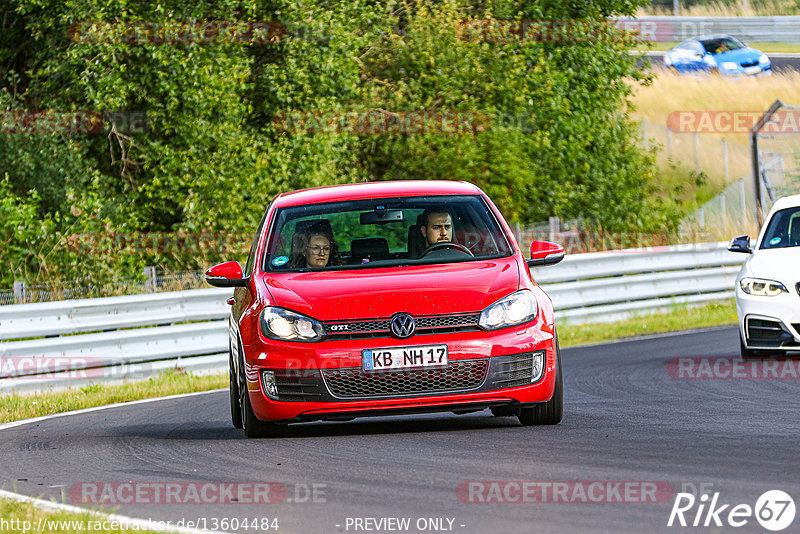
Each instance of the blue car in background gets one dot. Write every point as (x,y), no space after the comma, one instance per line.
(717,53)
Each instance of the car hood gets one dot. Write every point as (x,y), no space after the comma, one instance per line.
(775,264)
(746,55)
(375,293)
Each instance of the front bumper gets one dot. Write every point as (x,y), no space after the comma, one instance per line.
(324,380)
(769,323)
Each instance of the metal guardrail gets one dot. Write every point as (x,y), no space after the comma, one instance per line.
(609,286)
(779,29)
(55,345)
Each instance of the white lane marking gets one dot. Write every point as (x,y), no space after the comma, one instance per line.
(21,422)
(139,524)
(143,524)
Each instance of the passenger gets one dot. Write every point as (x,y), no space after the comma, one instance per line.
(313,250)
(436,226)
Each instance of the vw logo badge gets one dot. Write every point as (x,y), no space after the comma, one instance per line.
(402,325)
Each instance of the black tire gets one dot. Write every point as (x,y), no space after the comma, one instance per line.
(757,354)
(236,408)
(253,426)
(747,354)
(552,411)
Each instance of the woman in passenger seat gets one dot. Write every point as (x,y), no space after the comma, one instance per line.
(313,250)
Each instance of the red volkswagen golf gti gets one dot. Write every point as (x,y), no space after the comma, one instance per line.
(388,298)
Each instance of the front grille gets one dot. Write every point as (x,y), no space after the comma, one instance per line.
(516,370)
(380,327)
(296,385)
(764,330)
(352,382)
(753,64)
(765,333)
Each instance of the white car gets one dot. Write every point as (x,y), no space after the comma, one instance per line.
(768,286)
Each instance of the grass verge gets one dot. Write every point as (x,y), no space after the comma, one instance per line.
(680,318)
(25,517)
(172,382)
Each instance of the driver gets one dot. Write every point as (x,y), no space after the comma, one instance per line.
(436,226)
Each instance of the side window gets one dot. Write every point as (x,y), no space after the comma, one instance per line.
(248,270)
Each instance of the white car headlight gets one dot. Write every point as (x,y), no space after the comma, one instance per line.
(516,308)
(286,325)
(763,59)
(762,287)
(729,65)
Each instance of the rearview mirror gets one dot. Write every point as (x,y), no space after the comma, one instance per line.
(740,244)
(228,274)
(545,253)
(381,216)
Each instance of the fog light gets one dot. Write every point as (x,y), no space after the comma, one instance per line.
(537,366)
(269,385)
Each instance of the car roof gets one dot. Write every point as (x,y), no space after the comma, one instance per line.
(360,191)
(786,202)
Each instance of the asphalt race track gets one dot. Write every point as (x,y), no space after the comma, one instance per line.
(780,62)
(627,418)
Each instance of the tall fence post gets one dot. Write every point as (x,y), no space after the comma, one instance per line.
(555,228)
(150,279)
(669,143)
(20,295)
(725,158)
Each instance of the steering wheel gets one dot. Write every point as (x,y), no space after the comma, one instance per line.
(447,244)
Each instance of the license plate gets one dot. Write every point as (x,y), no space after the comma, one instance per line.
(752,70)
(417,357)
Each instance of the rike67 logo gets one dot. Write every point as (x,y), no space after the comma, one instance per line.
(774,510)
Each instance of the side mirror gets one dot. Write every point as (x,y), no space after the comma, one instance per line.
(740,244)
(228,274)
(545,253)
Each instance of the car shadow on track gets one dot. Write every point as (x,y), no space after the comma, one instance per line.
(218,431)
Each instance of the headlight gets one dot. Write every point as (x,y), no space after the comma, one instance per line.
(729,65)
(517,308)
(763,59)
(285,325)
(761,287)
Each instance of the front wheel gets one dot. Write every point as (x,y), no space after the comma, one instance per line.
(236,408)
(552,411)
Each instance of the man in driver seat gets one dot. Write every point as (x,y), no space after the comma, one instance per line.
(436,226)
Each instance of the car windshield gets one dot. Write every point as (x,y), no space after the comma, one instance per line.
(783,229)
(722,44)
(385,232)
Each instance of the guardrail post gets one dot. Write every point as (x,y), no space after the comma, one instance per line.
(150,279)
(19,292)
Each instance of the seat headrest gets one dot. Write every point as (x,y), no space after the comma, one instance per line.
(314,225)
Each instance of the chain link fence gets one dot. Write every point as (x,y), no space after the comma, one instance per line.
(152,282)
